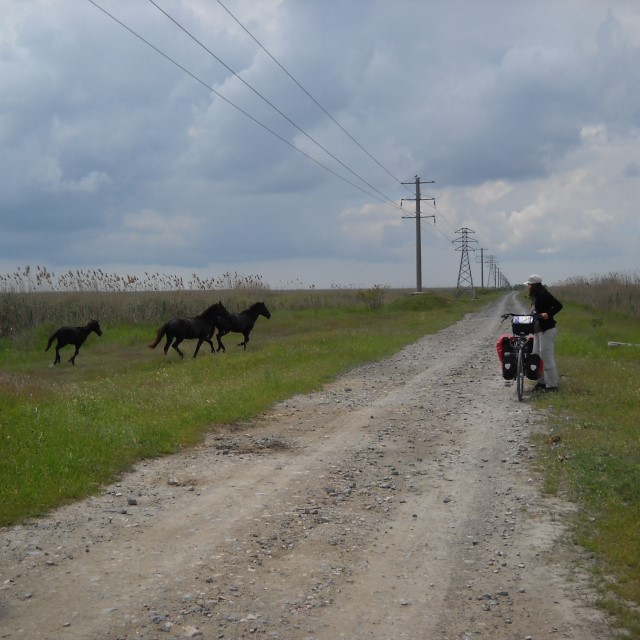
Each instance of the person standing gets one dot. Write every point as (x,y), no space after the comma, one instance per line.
(546,307)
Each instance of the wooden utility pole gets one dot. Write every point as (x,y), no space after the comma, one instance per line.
(482,261)
(417,217)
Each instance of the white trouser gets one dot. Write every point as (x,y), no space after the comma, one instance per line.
(544,346)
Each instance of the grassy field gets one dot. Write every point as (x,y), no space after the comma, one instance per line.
(66,430)
(593,455)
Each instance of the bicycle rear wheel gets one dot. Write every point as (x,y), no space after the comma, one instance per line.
(520,373)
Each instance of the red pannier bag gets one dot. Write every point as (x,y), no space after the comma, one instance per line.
(534,366)
(507,356)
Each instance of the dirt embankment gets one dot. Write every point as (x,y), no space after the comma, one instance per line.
(401,501)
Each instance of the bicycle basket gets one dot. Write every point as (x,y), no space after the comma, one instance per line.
(522,325)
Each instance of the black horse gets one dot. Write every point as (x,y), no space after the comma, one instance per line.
(72,335)
(201,327)
(241,323)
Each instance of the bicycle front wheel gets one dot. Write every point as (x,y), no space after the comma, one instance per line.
(520,373)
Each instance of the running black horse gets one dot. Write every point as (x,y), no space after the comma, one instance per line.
(241,323)
(72,335)
(200,327)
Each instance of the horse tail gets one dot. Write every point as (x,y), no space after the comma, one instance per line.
(51,339)
(161,331)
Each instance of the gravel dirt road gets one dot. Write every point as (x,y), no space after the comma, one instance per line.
(400,501)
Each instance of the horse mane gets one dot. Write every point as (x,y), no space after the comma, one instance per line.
(218,306)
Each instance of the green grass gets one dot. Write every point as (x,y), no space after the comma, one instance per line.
(597,459)
(66,430)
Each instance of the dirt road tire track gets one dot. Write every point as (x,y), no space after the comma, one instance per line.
(399,502)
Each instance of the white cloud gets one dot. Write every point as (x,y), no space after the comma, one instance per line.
(524,114)
(490,192)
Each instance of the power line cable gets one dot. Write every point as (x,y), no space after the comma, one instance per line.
(314,100)
(262,97)
(440,236)
(309,95)
(245,113)
(444,218)
(437,228)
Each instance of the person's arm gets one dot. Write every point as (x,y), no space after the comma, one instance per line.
(555,307)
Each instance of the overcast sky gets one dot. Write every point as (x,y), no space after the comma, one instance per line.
(525,114)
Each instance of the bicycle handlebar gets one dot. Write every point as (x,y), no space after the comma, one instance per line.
(504,316)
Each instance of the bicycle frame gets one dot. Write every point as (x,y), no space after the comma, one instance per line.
(522,327)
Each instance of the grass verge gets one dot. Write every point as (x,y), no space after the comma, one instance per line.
(594,454)
(66,430)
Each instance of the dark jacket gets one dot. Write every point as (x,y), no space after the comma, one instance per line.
(544,302)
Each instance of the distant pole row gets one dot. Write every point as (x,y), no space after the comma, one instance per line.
(495,279)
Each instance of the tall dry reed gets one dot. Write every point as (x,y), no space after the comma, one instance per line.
(618,292)
(28,280)
(31,298)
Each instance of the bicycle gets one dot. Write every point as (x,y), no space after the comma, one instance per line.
(522,328)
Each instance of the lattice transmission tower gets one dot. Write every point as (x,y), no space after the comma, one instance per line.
(465,277)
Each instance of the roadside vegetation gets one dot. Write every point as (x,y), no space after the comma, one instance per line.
(593,452)
(66,430)
(619,292)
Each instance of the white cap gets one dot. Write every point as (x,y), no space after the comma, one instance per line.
(533,279)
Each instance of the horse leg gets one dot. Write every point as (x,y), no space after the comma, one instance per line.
(195,353)
(57,358)
(167,344)
(72,359)
(244,343)
(175,346)
(218,336)
(208,341)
